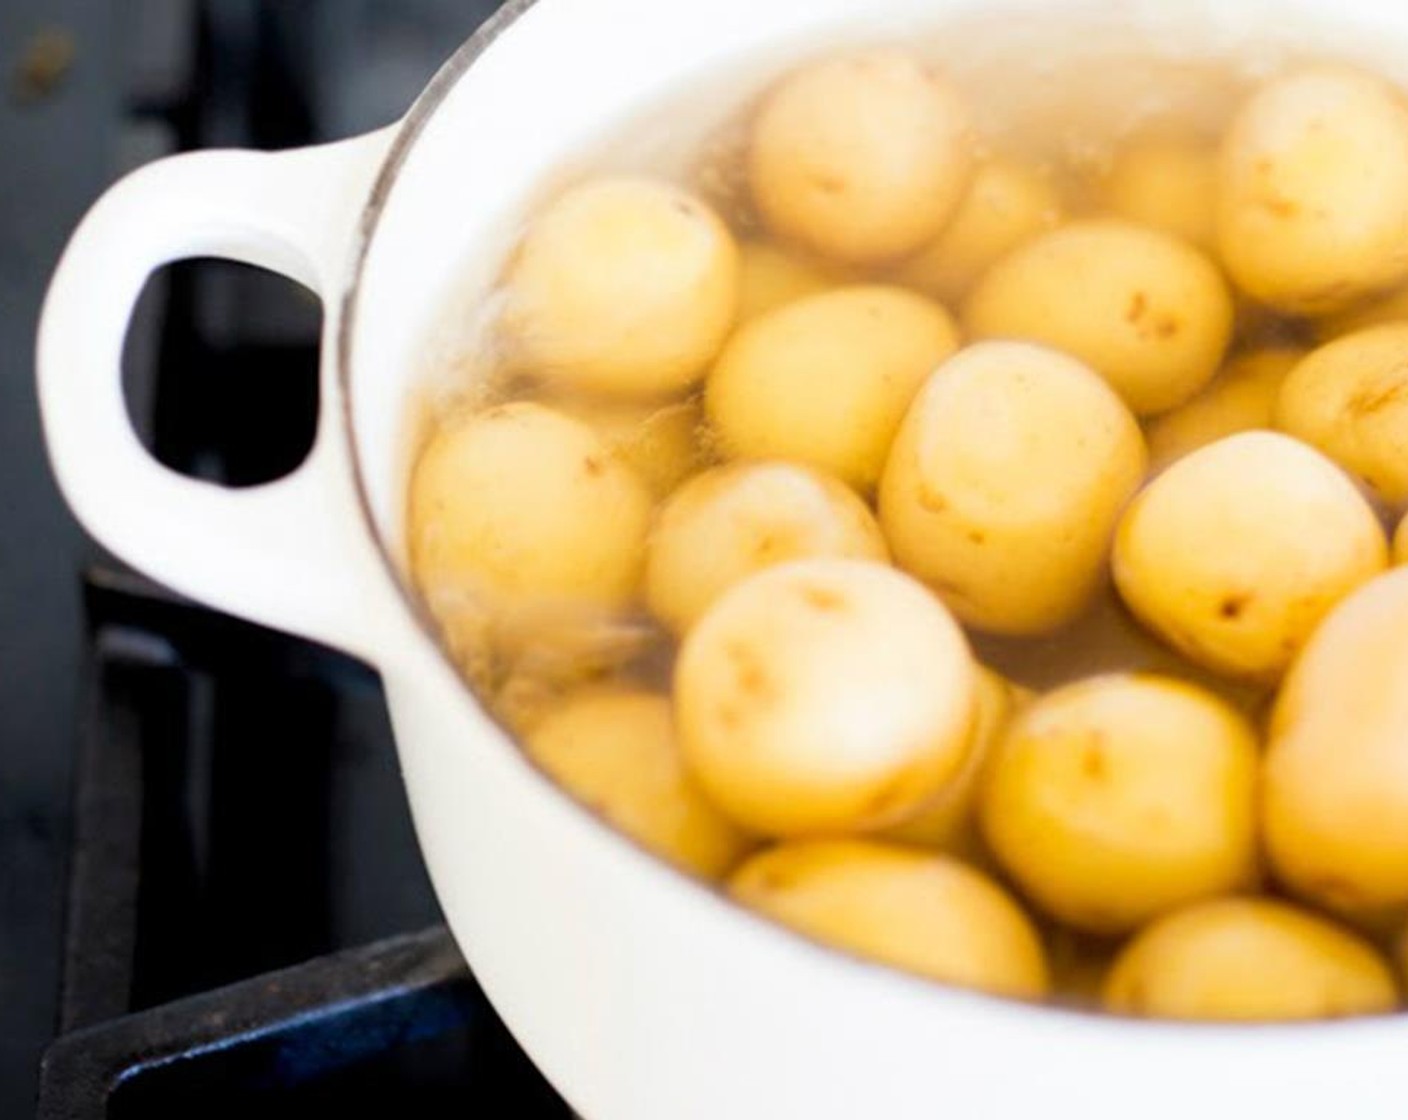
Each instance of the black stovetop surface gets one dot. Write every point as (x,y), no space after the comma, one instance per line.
(208,881)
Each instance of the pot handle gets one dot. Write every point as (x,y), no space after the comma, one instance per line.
(294,554)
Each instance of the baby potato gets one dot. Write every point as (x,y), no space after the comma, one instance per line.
(1167,183)
(1376,311)
(1350,399)
(660,442)
(947,823)
(1005,483)
(826,380)
(824,696)
(1313,190)
(571,528)
(624,287)
(738,519)
(1006,204)
(1241,399)
(1248,960)
(1335,789)
(919,911)
(1116,799)
(614,749)
(861,158)
(1148,312)
(771,276)
(1234,554)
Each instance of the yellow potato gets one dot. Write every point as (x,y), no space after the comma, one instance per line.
(615,750)
(1148,312)
(919,911)
(1005,483)
(1006,204)
(861,158)
(771,276)
(623,287)
(736,520)
(826,380)
(1249,960)
(1241,399)
(1116,799)
(1377,311)
(948,823)
(660,442)
(824,696)
(1313,190)
(1168,183)
(522,504)
(1335,790)
(1234,554)
(1350,399)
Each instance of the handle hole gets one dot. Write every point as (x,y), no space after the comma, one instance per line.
(220,372)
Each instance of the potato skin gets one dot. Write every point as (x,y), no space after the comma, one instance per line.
(1293,537)
(614,749)
(1168,183)
(1005,482)
(1248,960)
(1119,798)
(570,529)
(1006,204)
(1150,314)
(1335,789)
(1242,398)
(919,911)
(1313,195)
(824,696)
(623,287)
(861,158)
(1349,399)
(826,380)
(738,519)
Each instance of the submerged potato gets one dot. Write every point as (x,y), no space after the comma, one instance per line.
(824,696)
(1313,194)
(1006,204)
(1117,799)
(861,158)
(826,380)
(947,822)
(771,276)
(738,519)
(1149,313)
(1234,554)
(1168,183)
(919,911)
(1335,793)
(1005,483)
(1350,399)
(623,287)
(1241,399)
(570,529)
(615,750)
(1248,960)
(660,442)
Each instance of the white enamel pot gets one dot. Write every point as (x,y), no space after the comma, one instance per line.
(642,995)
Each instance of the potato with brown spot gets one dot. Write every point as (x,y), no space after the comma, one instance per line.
(1234,554)
(736,520)
(824,696)
(1335,796)
(1313,190)
(615,750)
(1349,398)
(861,158)
(1117,799)
(623,287)
(919,911)
(1005,482)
